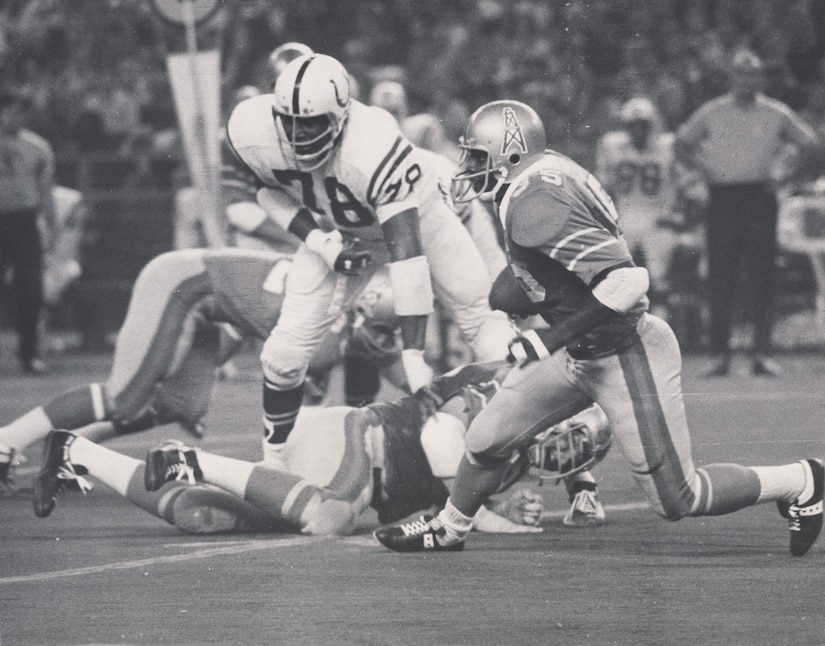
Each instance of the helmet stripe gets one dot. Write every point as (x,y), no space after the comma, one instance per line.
(296,106)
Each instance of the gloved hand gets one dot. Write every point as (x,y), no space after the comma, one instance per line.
(523,507)
(342,256)
(490,522)
(526,347)
(428,402)
(352,259)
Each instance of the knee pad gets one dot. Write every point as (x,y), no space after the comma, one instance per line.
(284,366)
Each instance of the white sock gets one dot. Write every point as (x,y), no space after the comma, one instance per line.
(111,468)
(787,482)
(226,473)
(26,429)
(456,524)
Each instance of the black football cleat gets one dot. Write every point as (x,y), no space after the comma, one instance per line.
(417,536)
(56,473)
(805,518)
(172,460)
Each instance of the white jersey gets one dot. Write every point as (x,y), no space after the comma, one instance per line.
(640,181)
(371,176)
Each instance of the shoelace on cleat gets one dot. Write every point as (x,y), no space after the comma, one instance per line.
(415,527)
(180,470)
(67,472)
(585,503)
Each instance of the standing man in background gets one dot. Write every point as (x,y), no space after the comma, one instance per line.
(26,181)
(735,141)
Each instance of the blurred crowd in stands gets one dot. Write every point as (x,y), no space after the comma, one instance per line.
(96,70)
(96,73)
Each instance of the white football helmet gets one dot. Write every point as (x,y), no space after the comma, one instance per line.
(283,55)
(312,99)
(571,446)
(500,139)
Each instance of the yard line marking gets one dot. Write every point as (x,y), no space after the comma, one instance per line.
(159,560)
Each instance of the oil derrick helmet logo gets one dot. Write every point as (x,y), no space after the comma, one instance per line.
(513,134)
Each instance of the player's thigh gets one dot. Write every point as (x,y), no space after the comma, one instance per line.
(530,400)
(315,298)
(329,448)
(187,392)
(640,391)
(153,334)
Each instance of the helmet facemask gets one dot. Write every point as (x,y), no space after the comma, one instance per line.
(311,139)
(571,446)
(477,175)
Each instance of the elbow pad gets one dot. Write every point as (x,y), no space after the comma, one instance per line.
(411,286)
(622,288)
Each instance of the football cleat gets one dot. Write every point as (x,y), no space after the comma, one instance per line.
(417,536)
(805,518)
(172,460)
(56,473)
(585,511)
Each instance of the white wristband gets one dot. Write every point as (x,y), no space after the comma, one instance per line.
(537,343)
(418,373)
(327,245)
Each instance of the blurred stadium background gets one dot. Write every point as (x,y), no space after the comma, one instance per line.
(96,72)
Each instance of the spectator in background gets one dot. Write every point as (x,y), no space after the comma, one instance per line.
(423,129)
(26,181)
(734,141)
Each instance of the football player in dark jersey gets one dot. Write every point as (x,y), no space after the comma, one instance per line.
(569,263)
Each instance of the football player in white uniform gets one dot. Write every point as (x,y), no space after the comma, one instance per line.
(341,177)
(636,166)
(340,461)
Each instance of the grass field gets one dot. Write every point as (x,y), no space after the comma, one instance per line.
(101,571)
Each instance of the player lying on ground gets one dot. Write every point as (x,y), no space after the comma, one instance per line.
(341,460)
(169,345)
(569,262)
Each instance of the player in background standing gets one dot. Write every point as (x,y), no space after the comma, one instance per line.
(636,166)
(569,262)
(734,142)
(26,183)
(341,177)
